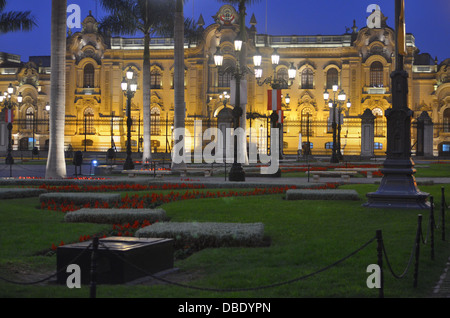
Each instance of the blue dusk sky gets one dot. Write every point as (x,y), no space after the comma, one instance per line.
(428,21)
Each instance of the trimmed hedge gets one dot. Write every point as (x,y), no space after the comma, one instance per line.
(80,198)
(20,193)
(326,194)
(115,216)
(207,234)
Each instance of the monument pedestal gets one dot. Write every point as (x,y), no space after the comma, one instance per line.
(119,259)
(398,188)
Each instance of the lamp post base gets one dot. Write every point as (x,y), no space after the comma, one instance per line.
(398,188)
(236,173)
(128,165)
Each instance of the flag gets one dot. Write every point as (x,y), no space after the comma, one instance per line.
(280,116)
(401,32)
(9,116)
(274,99)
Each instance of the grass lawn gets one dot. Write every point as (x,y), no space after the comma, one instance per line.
(305,237)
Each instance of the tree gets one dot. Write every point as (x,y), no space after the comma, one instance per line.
(56,164)
(15,20)
(180,105)
(149,17)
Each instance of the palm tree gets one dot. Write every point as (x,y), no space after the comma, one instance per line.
(56,164)
(149,17)
(180,106)
(15,21)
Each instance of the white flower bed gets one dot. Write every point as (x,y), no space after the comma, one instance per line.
(80,198)
(325,194)
(115,216)
(207,234)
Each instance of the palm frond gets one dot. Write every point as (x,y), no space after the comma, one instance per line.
(2,5)
(16,21)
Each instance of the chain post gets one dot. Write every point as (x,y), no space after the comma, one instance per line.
(418,238)
(93,286)
(380,262)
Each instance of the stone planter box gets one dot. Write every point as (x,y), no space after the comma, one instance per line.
(20,193)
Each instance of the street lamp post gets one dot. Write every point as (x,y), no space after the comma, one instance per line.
(129,88)
(8,105)
(237,173)
(276,84)
(336,105)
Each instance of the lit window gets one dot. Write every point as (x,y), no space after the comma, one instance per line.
(88,79)
(376,74)
(307,78)
(332,78)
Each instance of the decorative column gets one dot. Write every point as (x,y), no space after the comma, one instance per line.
(398,187)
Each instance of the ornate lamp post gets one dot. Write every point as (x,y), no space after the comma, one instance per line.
(277,84)
(129,88)
(8,104)
(237,173)
(336,105)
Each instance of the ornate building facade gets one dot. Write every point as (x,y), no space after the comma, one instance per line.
(359,62)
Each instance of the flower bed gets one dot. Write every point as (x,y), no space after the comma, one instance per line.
(115,216)
(208,234)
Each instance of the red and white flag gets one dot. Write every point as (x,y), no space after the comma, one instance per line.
(280,116)
(274,99)
(9,116)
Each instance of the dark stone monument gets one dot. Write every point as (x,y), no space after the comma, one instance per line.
(119,259)
(398,188)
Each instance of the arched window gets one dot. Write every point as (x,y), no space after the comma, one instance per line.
(29,118)
(88,123)
(376,74)
(307,78)
(155,79)
(155,115)
(446,120)
(332,78)
(282,73)
(88,76)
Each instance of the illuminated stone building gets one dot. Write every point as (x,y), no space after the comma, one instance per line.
(359,62)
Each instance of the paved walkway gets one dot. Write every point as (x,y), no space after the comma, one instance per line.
(18,170)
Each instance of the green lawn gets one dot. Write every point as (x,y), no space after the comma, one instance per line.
(305,237)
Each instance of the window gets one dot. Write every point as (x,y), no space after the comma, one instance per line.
(155,79)
(155,115)
(224,80)
(378,146)
(282,74)
(329,145)
(332,78)
(376,74)
(305,144)
(88,128)
(88,78)
(446,120)
(307,78)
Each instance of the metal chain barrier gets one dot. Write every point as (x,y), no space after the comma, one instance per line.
(244,289)
(48,277)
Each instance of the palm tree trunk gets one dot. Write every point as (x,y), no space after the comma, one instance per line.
(180,106)
(146,152)
(56,165)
